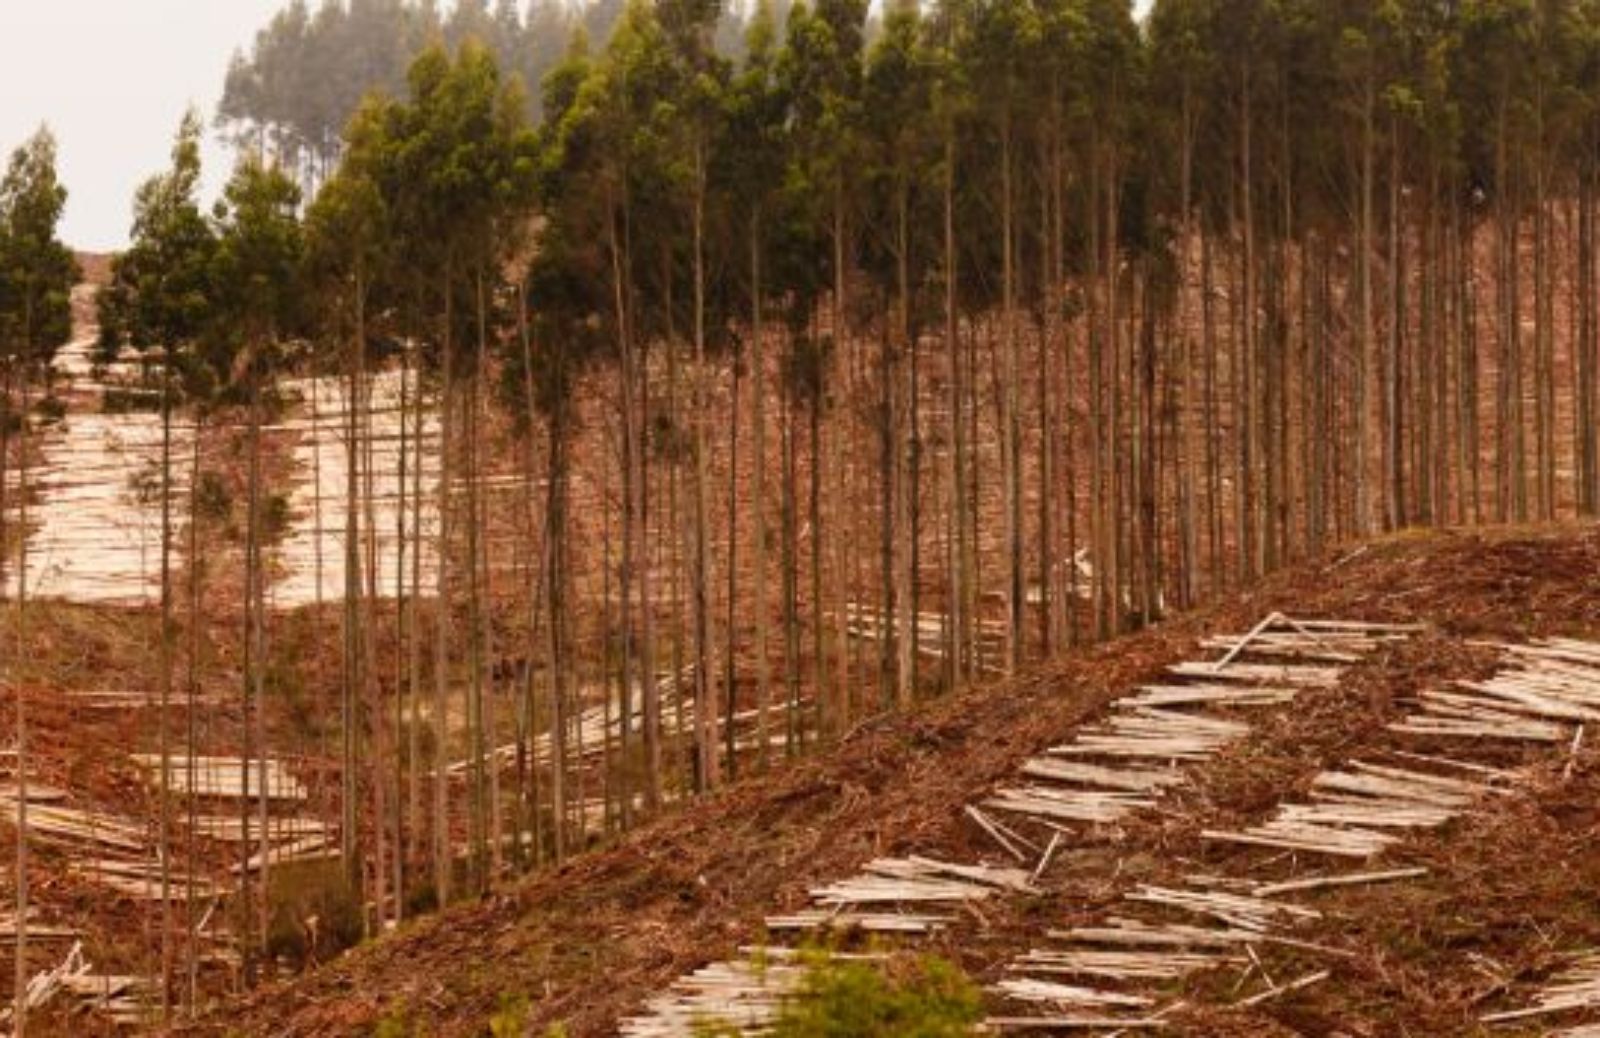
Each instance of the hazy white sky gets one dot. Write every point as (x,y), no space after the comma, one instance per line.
(112,78)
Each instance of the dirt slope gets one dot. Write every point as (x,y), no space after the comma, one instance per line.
(589,942)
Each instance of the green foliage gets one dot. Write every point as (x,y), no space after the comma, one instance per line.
(302,708)
(842,998)
(37,272)
(396,1023)
(257,290)
(928,999)
(312,913)
(50,409)
(160,299)
(511,1019)
(213,500)
(422,898)
(276,515)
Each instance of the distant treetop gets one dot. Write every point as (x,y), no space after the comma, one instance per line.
(307,72)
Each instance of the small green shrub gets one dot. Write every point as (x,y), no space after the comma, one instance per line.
(395,1024)
(145,485)
(511,1021)
(422,897)
(284,684)
(313,913)
(276,516)
(212,498)
(922,998)
(50,409)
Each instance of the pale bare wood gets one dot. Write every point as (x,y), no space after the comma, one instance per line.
(1278,991)
(1349,880)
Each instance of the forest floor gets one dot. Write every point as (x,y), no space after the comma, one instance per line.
(1506,890)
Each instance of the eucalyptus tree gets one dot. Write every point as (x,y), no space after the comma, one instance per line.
(902,141)
(750,157)
(1180,64)
(159,305)
(346,239)
(952,103)
(448,165)
(1224,275)
(400,145)
(689,121)
(37,273)
(473,123)
(570,295)
(1496,78)
(612,133)
(820,70)
(307,73)
(1062,89)
(1001,39)
(257,304)
(472,127)
(1584,158)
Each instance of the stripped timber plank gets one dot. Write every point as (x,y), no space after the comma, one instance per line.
(1300,675)
(1027,989)
(865,922)
(1210,695)
(1349,880)
(1121,965)
(1071,1023)
(1132,780)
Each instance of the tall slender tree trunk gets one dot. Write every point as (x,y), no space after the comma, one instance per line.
(556,575)
(1588,340)
(1366,386)
(759,389)
(704,677)
(956,553)
(164,720)
(730,623)
(442,855)
(191,735)
(1011,423)
(18,681)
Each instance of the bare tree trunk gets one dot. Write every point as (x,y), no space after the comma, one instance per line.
(353,669)
(191,735)
(164,720)
(760,385)
(20,1008)
(1366,509)
(557,576)
(729,685)
(1011,423)
(789,565)
(704,677)
(955,555)
(254,746)
(1396,512)
(442,860)
(414,771)
(1588,340)
(259,632)
(404,765)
